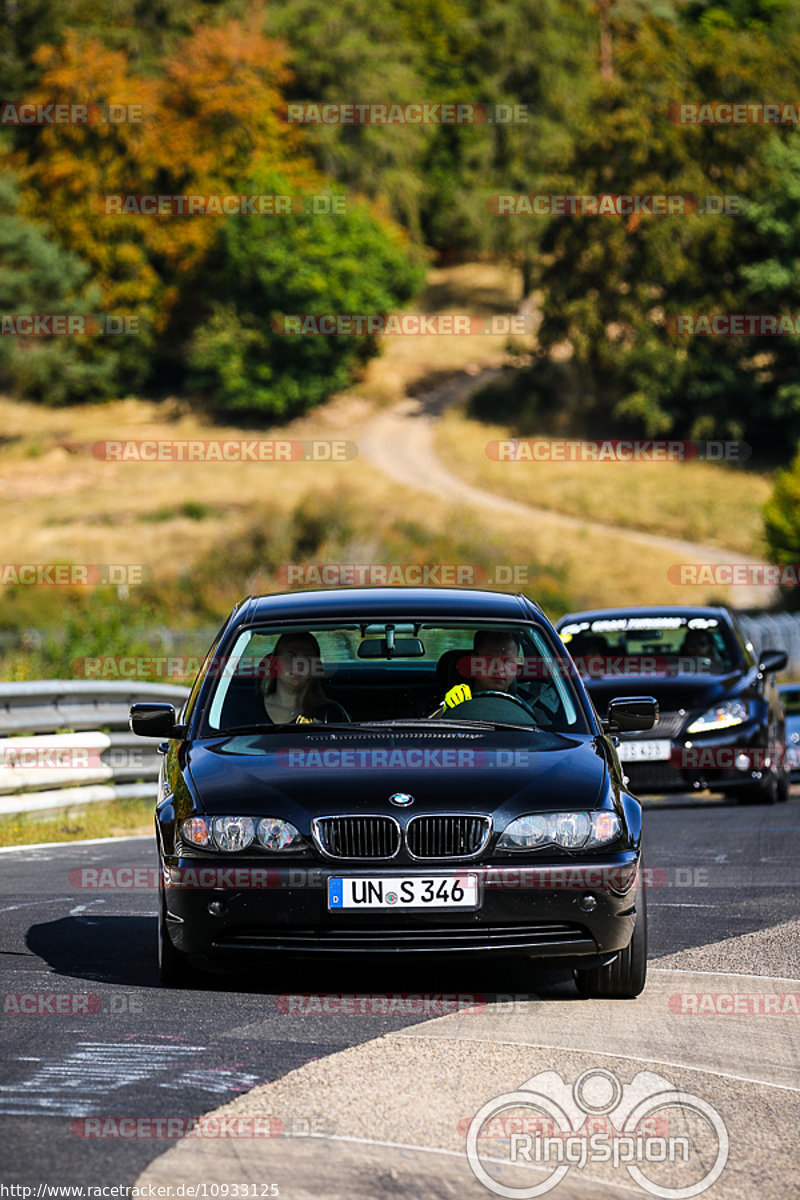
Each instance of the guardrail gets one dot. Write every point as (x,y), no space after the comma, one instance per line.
(70,743)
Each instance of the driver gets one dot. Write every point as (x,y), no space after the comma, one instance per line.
(497,655)
(497,670)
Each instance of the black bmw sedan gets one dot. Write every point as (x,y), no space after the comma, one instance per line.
(391,771)
(721,720)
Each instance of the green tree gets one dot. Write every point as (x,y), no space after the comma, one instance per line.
(267,267)
(38,276)
(782,522)
(610,281)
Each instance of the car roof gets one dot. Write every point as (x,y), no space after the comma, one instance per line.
(653,610)
(401,603)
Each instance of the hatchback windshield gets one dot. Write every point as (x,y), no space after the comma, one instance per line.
(392,671)
(649,645)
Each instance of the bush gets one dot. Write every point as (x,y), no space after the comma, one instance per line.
(268,267)
(39,277)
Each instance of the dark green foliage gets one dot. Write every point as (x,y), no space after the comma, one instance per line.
(267,267)
(38,276)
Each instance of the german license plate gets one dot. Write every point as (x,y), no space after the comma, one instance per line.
(655,751)
(398,892)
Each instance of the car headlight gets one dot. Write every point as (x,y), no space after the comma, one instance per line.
(233,833)
(274,834)
(237,833)
(197,831)
(569,830)
(722,716)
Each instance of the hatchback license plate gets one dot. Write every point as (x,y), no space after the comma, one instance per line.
(657,751)
(393,892)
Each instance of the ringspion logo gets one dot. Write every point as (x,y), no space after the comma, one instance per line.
(649,1124)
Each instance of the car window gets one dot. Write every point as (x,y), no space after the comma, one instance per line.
(378,671)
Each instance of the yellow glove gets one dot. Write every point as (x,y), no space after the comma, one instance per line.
(303,721)
(457,695)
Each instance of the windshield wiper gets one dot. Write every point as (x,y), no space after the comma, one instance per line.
(268,726)
(462,723)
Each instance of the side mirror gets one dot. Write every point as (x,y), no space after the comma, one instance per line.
(772,660)
(155,720)
(631,714)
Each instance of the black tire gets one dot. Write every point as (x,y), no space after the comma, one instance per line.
(624,978)
(174,969)
(783,787)
(765,792)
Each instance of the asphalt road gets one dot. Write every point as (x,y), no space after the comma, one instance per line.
(723,907)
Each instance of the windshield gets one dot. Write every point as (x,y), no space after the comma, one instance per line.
(392,672)
(657,645)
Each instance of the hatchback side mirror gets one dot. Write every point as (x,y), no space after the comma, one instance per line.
(772,660)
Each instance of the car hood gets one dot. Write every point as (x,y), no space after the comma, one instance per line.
(689,692)
(270,774)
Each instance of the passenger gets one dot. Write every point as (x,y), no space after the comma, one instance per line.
(291,690)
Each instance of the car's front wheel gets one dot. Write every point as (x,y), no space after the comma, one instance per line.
(624,978)
(174,969)
(768,791)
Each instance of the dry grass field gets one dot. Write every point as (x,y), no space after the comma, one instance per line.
(59,503)
(702,502)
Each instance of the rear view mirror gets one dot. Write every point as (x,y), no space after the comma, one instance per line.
(411,647)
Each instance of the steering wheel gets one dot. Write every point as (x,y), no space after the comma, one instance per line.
(502,696)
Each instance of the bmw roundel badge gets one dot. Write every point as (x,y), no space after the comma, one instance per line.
(401,799)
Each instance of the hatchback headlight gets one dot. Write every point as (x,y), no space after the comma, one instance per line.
(722,716)
(569,830)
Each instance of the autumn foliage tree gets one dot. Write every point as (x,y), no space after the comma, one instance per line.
(208,124)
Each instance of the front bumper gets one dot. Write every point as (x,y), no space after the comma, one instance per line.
(706,763)
(573,909)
